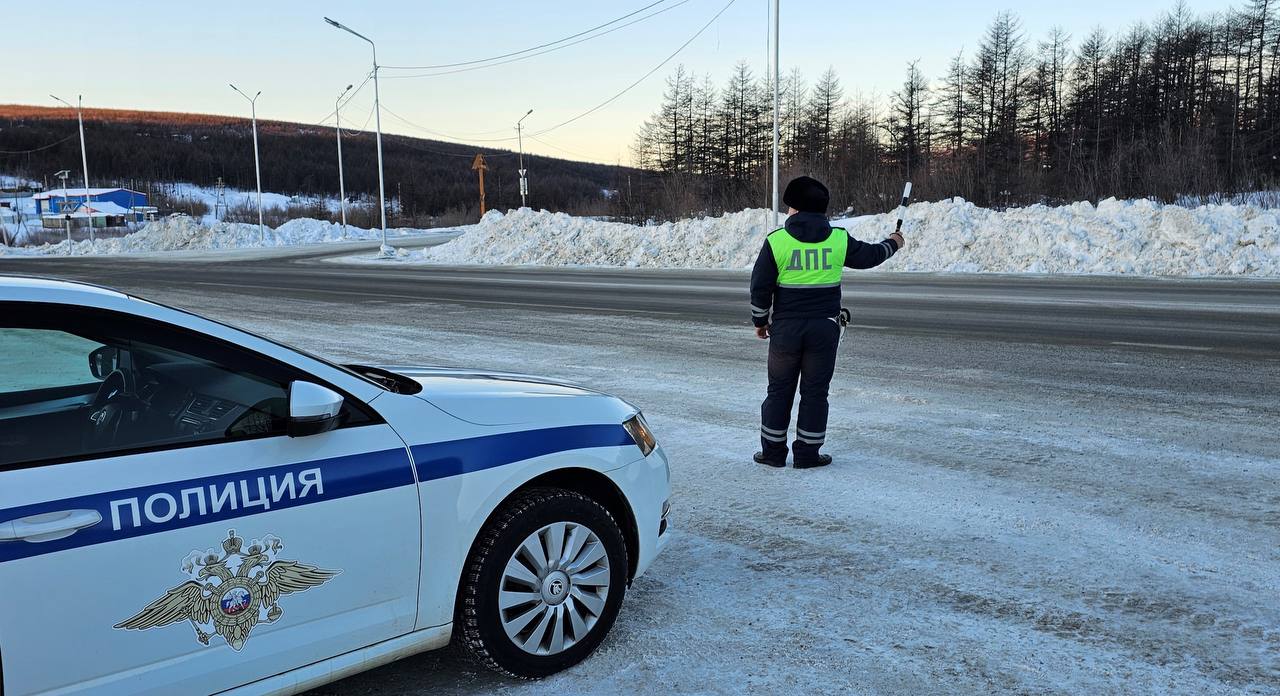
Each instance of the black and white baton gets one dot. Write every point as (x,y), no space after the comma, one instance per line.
(902,209)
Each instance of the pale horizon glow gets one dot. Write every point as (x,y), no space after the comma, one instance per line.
(159,56)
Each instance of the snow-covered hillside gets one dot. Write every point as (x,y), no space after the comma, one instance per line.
(1130,237)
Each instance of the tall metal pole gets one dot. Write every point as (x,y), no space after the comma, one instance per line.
(84,157)
(776,100)
(342,188)
(257,169)
(377,110)
(377,118)
(524,183)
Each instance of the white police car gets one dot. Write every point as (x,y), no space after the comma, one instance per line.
(189,508)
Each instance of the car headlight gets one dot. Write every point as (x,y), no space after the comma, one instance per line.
(640,432)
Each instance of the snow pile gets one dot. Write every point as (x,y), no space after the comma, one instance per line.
(528,237)
(185,233)
(1129,237)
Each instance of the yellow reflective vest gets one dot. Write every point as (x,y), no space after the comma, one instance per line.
(809,265)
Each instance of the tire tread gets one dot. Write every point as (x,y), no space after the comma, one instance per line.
(467,618)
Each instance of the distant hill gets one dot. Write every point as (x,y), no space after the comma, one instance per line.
(432,178)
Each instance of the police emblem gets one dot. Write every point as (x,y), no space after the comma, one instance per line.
(231,592)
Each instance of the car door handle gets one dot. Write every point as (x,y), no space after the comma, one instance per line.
(48,526)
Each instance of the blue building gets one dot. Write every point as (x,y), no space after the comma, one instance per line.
(56,200)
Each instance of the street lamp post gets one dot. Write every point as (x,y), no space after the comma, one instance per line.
(257,170)
(342,188)
(524,183)
(84,157)
(776,100)
(63,174)
(377,110)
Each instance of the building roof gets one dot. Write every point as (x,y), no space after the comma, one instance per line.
(94,209)
(79,193)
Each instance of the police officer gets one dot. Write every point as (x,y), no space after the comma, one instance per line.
(795,302)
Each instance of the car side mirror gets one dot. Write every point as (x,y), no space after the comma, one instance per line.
(102,361)
(313,409)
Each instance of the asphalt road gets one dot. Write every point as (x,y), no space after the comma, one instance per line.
(1228,316)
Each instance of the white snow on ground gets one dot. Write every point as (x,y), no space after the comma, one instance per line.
(185,233)
(1001,517)
(1130,237)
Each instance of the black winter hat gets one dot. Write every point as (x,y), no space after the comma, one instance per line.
(807,195)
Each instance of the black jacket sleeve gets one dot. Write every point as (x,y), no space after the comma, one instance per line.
(764,282)
(864,255)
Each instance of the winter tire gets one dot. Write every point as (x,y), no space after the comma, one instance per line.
(543,584)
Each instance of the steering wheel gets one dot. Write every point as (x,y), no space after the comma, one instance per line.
(116,397)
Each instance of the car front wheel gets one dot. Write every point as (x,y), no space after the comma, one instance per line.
(543,584)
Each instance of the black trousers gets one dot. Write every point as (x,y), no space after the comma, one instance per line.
(803,352)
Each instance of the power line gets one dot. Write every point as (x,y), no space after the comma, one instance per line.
(324,121)
(588,112)
(37,149)
(438,134)
(539,53)
(557,147)
(527,50)
(644,77)
(414,146)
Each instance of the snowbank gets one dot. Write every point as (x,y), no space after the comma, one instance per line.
(527,237)
(186,233)
(1130,237)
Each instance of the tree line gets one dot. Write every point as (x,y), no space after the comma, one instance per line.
(1185,104)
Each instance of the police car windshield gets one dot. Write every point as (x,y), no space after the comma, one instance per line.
(299,351)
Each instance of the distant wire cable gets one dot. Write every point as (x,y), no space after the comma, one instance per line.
(586,113)
(539,53)
(36,149)
(557,147)
(527,50)
(414,146)
(346,100)
(446,136)
(644,77)
(363,126)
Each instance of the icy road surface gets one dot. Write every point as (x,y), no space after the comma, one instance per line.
(1001,517)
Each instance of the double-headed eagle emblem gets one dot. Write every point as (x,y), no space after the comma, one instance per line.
(231,592)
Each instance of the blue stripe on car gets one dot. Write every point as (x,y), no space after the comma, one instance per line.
(342,477)
(438,460)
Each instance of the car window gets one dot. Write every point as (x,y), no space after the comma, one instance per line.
(161,386)
(42,359)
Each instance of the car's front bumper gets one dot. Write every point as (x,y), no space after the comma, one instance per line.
(646,483)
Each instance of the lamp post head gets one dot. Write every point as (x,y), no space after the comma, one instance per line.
(339,25)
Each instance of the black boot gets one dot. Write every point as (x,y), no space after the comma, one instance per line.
(822,460)
(761,459)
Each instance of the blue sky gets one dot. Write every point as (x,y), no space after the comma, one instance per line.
(179,56)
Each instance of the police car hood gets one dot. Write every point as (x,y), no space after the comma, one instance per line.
(486,397)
